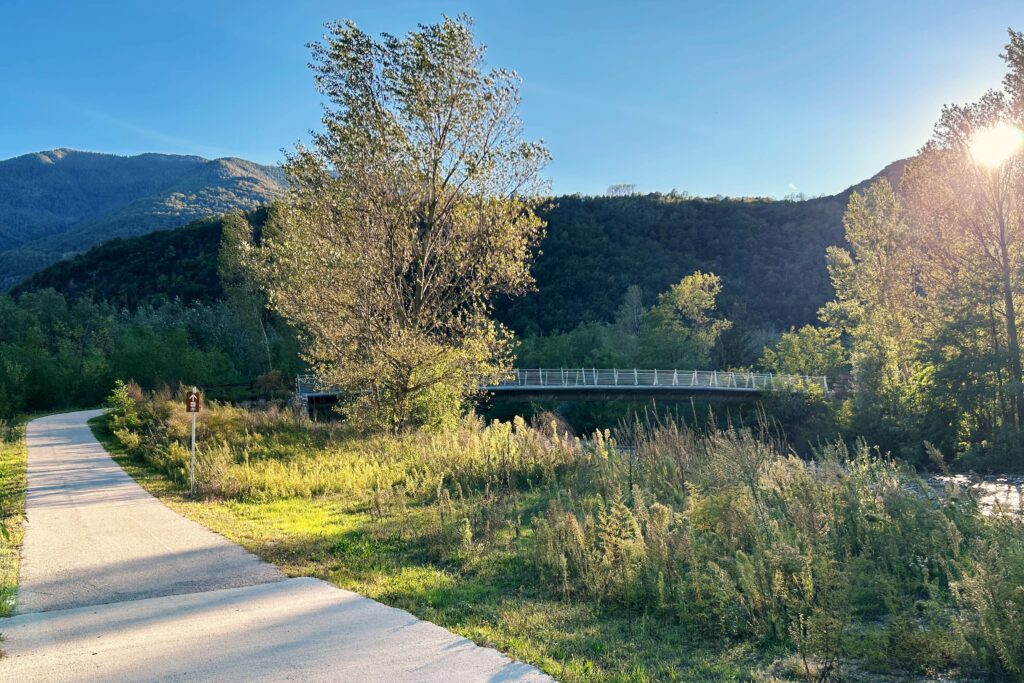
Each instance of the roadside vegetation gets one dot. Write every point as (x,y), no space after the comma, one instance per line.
(12,508)
(654,551)
(651,553)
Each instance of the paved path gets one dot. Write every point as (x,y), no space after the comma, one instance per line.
(116,587)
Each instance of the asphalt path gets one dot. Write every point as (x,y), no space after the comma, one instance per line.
(115,586)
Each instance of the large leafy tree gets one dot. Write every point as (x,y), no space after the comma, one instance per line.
(878,309)
(965,198)
(928,295)
(411,210)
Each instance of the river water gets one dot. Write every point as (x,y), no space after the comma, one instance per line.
(995,493)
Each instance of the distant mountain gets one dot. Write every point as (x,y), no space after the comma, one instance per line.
(60,203)
(770,255)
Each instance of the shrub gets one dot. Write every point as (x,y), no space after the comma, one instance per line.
(990,596)
(129,439)
(122,402)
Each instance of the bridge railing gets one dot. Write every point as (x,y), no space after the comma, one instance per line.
(605,378)
(529,378)
(308,385)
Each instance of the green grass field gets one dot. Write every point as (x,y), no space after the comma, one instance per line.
(12,508)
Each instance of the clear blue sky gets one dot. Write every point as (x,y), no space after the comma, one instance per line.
(756,98)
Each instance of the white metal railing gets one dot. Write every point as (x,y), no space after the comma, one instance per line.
(604,378)
(530,378)
(308,385)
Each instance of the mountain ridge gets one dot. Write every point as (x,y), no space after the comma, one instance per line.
(57,203)
(770,253)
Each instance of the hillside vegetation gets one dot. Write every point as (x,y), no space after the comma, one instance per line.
(144,271)
(769,254)
(59,203)
(12,508)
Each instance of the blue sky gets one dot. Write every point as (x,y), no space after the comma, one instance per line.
(755,98)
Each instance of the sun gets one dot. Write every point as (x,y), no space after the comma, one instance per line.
(994,145)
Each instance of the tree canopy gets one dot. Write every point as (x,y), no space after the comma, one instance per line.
(414,207)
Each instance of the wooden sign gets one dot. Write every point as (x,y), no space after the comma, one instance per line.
(192,402)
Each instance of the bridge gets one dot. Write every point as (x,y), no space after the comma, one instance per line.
(602,384)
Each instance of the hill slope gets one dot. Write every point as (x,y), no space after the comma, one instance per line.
(58,203)
(770,256)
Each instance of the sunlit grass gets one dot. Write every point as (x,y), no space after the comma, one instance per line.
(12,509)
(681,556)
(494,600)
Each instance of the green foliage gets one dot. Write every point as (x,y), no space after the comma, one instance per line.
(140,271)
(274,458)
(743,543)
(846,562)
(598,247)
(58,354)
(927,296)
(680,331)
(991,599)
(409,213)
(124,413)
(12,508)
(808,351)
(646,243)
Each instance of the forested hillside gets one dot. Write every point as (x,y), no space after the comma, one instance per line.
(57,203)
(146,270)
(769,254)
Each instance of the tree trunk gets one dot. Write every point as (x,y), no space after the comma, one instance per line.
(1012,341)
(266,340)
(1001,411)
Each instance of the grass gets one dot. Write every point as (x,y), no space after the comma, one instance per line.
(495,600)
(684,556)
(12,508)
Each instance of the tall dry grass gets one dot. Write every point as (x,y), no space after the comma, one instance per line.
(848,557)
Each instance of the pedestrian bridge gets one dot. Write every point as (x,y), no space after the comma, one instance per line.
(602,384)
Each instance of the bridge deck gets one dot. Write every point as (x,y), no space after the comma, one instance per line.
(530,384)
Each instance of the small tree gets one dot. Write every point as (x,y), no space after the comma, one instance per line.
(413,208)
(808,351)
(241,292)
(681,330)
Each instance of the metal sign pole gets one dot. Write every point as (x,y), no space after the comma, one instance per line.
(192,467)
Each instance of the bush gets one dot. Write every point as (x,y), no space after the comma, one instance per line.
(990,596)
(732,540)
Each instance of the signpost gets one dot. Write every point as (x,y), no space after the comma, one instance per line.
(192,404)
